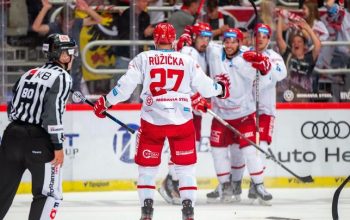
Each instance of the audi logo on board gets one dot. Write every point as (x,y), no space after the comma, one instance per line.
(322,130)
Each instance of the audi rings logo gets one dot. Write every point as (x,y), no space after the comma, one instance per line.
(322,130)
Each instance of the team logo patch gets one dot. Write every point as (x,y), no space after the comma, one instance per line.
(150,155)
(64,38)
(115,92)
(288,95)
(149,100)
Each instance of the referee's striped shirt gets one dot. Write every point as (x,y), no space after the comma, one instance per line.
(40,96)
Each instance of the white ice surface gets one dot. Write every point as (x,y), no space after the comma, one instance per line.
(288,204)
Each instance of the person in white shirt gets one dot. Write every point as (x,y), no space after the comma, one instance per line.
(201,34)
(168,79)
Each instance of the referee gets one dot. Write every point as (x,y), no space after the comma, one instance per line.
(33,140)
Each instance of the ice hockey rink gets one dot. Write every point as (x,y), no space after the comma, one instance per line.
(288,204)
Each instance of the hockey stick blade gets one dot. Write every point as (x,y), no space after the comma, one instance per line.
(305,179)
(81,97)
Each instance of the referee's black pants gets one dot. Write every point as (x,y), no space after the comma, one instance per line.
(25,146)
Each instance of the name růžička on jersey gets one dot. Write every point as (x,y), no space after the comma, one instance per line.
(166,60)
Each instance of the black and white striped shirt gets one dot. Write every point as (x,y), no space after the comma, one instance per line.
(40,96)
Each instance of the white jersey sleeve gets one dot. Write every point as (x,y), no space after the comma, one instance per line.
(278,67)
(267,83)
(128,82)
(203,84)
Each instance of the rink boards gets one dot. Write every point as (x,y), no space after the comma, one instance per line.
(310,139)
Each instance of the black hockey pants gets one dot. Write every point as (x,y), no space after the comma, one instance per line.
(25,146)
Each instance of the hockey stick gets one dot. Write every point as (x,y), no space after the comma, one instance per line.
(336,198)
(305,179)
(81,97)
(257,125)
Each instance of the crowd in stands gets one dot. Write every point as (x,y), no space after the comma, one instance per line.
(298,33)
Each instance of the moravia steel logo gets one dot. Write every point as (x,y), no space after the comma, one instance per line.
(124,144)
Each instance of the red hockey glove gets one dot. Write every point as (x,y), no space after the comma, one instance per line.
(184,40)
(253,56)
(100,107)
(223,80)
(259,61)
(263,66)
(199,103)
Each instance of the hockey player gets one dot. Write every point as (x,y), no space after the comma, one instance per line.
(201,36)
(33,140)
(228,64)
(267,100)
(168,77)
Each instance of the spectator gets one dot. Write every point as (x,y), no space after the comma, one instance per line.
(144,28)
(156,16)
(218,21)
(99,56)
(312,17)
(299,61)
(266,16)
(67,24)
(185,16)
(337,21)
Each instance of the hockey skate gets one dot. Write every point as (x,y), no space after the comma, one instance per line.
(263,196)
(227,192)
(169,190)
(214,196)
(252,193)
(237,190)
(147,210)
(187,210)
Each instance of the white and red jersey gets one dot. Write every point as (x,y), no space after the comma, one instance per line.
(241,76)
(267,83)
(168,78)
(199,57)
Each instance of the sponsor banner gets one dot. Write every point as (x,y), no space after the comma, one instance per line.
(100,153)
(203,183)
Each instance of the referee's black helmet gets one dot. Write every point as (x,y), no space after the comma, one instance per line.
(56,43)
